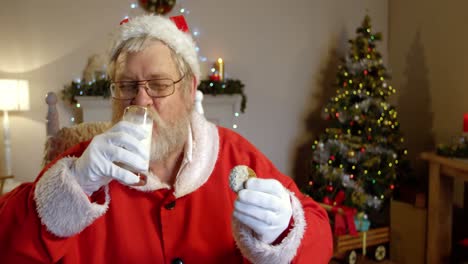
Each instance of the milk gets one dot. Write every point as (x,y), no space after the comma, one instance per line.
(138,116)
(146,141)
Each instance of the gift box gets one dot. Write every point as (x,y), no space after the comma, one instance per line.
(362,224)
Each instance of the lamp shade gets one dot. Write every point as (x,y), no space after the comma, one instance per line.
(14,95)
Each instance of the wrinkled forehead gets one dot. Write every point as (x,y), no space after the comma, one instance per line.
(150,57)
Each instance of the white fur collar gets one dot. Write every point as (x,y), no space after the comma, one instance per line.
(200,157)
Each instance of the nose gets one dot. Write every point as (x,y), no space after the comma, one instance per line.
(142,98)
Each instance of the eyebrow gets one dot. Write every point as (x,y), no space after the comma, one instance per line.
(161,75)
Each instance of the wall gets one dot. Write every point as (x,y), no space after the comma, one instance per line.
(427,52)
(284,51)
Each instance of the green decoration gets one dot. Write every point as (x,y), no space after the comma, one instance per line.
(99,87)
(361,153)
(226,87)
(458,149)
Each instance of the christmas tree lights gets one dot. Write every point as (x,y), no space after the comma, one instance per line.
(361,151)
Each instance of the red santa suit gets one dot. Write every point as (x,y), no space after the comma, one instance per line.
(53,221)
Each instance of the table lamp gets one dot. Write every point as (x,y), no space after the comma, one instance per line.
(14,96)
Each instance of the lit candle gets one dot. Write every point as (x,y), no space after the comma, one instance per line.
(221,69)
(465,123)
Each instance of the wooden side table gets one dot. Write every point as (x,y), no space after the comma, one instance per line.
(442,171)
(2,182)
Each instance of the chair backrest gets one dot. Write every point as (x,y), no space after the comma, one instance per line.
(60,139)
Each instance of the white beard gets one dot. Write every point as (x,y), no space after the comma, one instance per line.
(168,137)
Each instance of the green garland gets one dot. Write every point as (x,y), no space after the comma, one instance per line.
(228,87)
(100,87)
(458,149)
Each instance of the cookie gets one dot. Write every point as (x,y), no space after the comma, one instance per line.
(239,174)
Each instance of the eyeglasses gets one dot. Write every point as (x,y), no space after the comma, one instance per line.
(155,88)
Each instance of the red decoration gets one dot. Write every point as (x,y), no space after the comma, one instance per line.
(332,157)
(125,20)
(214,77)
(363,150)
(181,23)
(351,123)
(365,72)
(311,183)
(337,115)
(465,123)
(464,242)
(351,176)
(369,137)
(392,187)
(330,188)
(345,84)
(343,221)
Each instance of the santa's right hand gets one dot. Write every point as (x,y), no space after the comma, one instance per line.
(121,144)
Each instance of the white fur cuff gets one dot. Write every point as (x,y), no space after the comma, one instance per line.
(257,251)
(62,205)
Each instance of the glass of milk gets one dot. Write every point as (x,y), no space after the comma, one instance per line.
(140,116)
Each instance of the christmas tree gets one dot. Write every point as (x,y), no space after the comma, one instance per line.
(359,157)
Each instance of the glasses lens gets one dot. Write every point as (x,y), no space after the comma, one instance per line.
(123,90)
(160,88)
(155,88)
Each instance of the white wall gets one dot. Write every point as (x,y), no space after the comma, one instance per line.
(284,52)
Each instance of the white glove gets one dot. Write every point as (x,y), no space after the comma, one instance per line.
(121,143)
(265,207)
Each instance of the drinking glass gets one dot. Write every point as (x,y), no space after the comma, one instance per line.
(140,116)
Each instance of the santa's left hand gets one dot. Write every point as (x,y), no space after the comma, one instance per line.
(265,207)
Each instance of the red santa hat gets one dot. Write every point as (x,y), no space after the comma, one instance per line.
(172,31)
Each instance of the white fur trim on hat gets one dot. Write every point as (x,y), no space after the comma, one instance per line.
(62,205)
(260,252)
(162,29)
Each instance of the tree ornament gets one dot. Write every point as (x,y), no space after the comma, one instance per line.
(159,7)
(358,198)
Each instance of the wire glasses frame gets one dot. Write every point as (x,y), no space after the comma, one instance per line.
(154,88)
